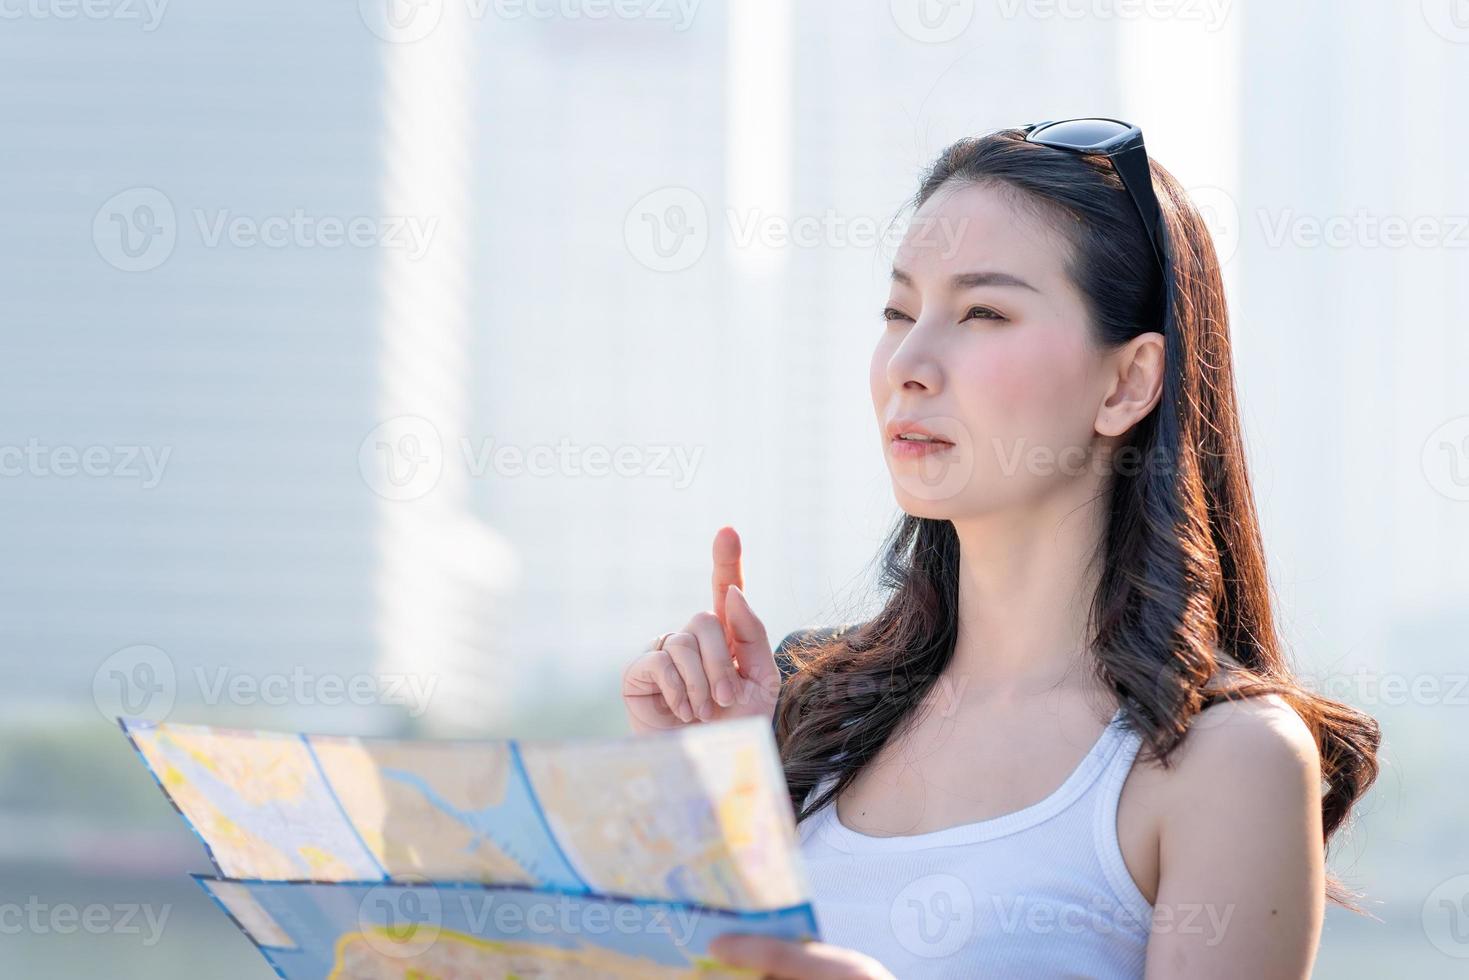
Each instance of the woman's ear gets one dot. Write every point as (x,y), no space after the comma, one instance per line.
(1135,372)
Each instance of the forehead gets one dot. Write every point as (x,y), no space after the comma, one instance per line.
(969,227)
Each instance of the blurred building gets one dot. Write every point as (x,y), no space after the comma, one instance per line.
(218,288)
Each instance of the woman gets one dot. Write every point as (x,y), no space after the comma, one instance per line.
(1069,744)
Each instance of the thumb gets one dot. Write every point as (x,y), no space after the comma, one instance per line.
(749,642)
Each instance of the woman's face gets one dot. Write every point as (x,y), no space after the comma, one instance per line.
(986,344)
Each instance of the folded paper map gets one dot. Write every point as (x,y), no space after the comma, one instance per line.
(362,857)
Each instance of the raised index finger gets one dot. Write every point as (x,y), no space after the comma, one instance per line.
(727,570)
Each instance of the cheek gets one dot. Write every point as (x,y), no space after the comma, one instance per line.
(1034,385)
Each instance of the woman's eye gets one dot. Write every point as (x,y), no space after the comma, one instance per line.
(975,312)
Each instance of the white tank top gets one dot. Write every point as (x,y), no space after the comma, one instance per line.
(1042,892)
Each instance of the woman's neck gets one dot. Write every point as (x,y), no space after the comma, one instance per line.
(1026,581)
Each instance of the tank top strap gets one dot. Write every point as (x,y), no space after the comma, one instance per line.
(1135,910)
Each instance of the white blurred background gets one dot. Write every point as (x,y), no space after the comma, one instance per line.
(388,367)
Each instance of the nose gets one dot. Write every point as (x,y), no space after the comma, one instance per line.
(915,366)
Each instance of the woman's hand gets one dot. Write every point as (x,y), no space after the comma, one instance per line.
(782,959)
(718,666)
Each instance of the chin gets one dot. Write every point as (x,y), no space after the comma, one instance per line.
(927,511)
(937,510)
(942,493)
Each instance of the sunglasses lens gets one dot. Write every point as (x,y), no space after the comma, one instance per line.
(1079,134)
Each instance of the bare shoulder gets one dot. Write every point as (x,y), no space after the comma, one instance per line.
(1239,754)
(1246,754)
(1249,735)
(1247,766)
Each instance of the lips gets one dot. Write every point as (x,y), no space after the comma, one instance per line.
(910,432)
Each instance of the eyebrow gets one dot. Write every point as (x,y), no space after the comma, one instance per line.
(971,280)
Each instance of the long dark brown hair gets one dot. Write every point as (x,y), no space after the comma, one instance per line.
(1182,567)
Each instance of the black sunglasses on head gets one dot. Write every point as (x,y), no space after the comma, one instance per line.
(1121,143)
